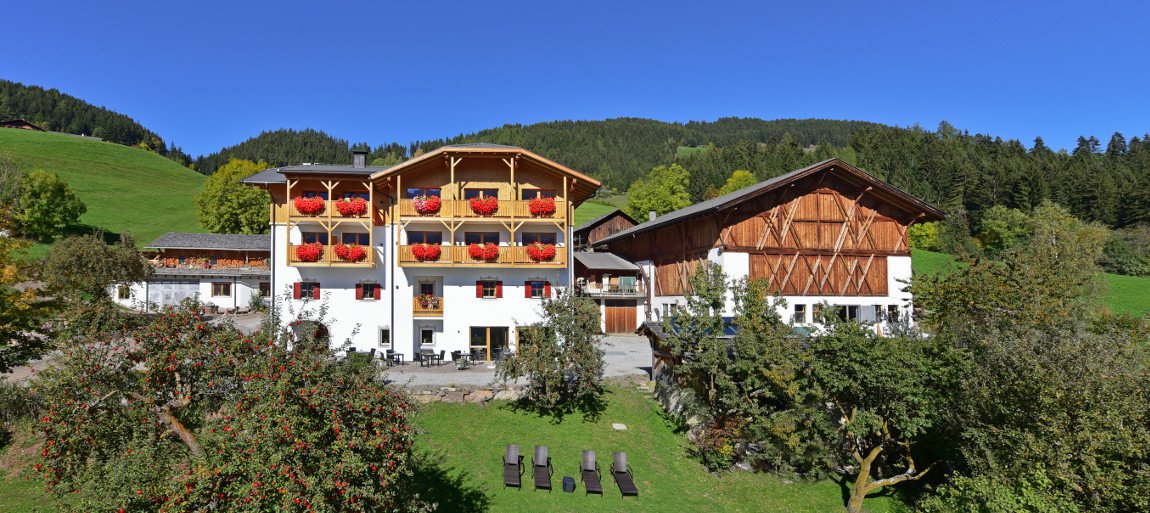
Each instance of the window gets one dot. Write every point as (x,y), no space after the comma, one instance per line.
(315,194)
(817,313)
(220,289)
(892,313)
(265,289)
(368,291)
(310,237)
(384,338)
(475,193)
(424,237)
(481,237)
(537,289)
(350,195)
(800,315)
(412,192)
(124,292)
(540,237)
(356,238)
(427,288)
(529,194)
(306,289)
(426,336)
(489,289)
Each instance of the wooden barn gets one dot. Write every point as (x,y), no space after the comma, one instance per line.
(826,234)
(606,225)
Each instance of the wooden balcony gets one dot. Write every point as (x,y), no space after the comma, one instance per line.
(329,213)
(461,209)
(599,290)
(457,256)
(329,259)
(434,307)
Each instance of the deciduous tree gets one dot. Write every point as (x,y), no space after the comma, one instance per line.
(227,206)
(22,312)
(85,267)
(47,206)
(663,190)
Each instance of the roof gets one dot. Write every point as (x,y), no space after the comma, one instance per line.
(604,261)
(584,185)
(275,175)
(728,200)
(592,223)
(185,272)
(265,177)
(20,121)
(220,241)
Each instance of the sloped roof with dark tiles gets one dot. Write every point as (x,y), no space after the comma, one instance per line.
(730,199)
(267,176)
(604,261)
(592,223)
(220,241)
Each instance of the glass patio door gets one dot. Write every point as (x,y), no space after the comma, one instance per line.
(489,341)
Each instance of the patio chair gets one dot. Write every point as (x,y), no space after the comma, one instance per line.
(441,354)
(589,471)
(622,474)
(541,468)
(455,355)
(512,467)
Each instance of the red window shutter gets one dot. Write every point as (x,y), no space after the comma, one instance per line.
(479,289)
(358,291)
(546,289)
(527,289)
(295,290)
(315,291)
(378,290)
(498,289)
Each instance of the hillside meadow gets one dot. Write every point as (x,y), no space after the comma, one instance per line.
(127,190)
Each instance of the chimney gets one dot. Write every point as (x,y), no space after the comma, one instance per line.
(359,158)
(651,215)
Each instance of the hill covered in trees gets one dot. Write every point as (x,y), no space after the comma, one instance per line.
(286,146)
(53,110)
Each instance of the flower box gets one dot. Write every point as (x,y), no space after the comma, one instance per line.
(542,207)
(487,252)
(541,252)
(351,208)
(310,252)
(427,205)
(425,252)
(350,252)
(310,206)
(485,205)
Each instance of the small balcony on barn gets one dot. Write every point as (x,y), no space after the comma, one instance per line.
(605,275)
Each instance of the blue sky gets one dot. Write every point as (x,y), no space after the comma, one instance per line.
(208,74)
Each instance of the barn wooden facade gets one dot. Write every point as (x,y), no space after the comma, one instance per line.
(595,230)
(829,232)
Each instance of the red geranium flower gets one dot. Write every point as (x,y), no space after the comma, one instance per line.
(542,207)
(310,206)
(484,205)
(541,252)
(424,252)
(427,205)
(354,207)
(309,252)
(350,252)
(488,251)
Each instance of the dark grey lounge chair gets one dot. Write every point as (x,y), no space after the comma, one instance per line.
(512,467)
(589,471)
(541,468)
(622,474)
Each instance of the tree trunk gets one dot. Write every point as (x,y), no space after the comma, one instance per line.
(855,504)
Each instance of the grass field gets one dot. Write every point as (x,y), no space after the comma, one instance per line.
(1123,294)
(468,441)
(127,190)
(588,211)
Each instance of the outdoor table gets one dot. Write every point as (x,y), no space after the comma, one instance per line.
(568,484)
(397,358)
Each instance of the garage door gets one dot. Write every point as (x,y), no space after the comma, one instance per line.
(620,316)
(171,292)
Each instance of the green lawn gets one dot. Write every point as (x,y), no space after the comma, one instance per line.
(1124,294)
(467,442)
(19,494)
(127,190)
(588,211)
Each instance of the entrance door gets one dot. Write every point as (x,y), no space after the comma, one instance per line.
(489,342)
(620,316)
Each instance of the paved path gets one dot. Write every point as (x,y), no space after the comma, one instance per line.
(625,356)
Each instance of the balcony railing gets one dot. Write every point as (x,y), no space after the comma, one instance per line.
(328,258)
(329,212)
(206,263)
(432,308)
(509,256)
(614,290)
(520,209)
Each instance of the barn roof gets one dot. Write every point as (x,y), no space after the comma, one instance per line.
(604,261)
(595,222)
(732,199)
(216,241)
